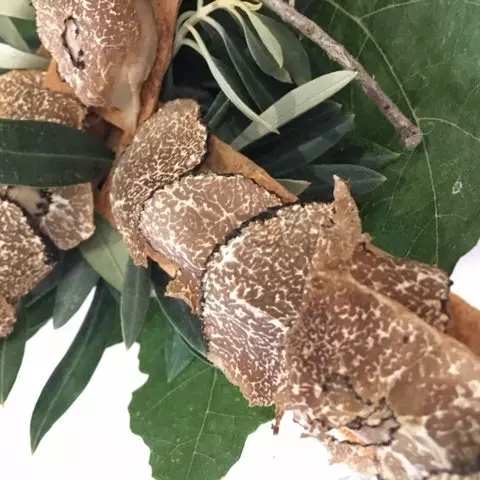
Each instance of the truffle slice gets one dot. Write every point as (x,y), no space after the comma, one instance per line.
(104,49)
(24,259)
(170,144)
(252,290)
(185,220)
(355,353)
(70,217)
(22,97)
(7,318)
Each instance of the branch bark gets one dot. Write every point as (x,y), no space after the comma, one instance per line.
(409,132)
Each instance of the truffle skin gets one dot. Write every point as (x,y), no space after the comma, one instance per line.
(170,144)
(22,97)
(354,352)
(7,318)
(252,290)
(23,255)
(105,49)
(185,220)
(70,217)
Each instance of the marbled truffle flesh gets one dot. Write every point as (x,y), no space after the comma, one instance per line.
(22,97)
(105,49)
(169,145)
(186,220)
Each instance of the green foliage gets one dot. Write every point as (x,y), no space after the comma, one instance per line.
(195,425)
(41,154)
(74,371)
(426,60)
(134,302)
(177,355)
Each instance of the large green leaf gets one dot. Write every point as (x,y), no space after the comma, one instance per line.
(425,56)
(178,313)
(42,154)
(134,302)
(12,349)
(74,371)
(106,253)
(196,425)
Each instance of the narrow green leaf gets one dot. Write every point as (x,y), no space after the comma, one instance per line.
(178,314)
(12,58)
(40,313)
(295,57)
(106,253)
(376,156)
(267,37)
(74,371)
(10,34)
(295,103)
(72,291)
(17,8)
(297,187)
(259,52)
(41,154)
(12,349)
(177,355)
(246,68)
(362,180)
(217,111)
(280,160)
(223,84)
(134,302)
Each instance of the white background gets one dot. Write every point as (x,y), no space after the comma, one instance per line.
(93,439)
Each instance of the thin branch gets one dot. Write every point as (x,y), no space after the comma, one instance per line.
(410,133)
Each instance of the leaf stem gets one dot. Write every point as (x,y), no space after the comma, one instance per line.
(409,132)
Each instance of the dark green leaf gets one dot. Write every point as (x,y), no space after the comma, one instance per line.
(135,301)
(320,138)
(12,349)
(72,292)
(425,57)
(74,371)
(178,355)
(41,154)
(106,253)
(362,180)
(196,425)
(295,57)
(40,312)
(178,313)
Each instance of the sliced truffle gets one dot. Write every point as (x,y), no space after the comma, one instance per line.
(24,257)
(185,220)
(7,318)
(172,143)
(252,290)
(105,49)
(22,97)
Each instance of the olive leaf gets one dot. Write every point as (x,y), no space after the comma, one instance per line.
(217,111)
(297,187)
(10,34)
(12,349)
(13,58)
(294,103)
(39,313)
(18,8)
(177,355)
(134,301)
(295,57)
(42,154)
(197,424)
(106,253)
(74,371)
(72,291)
(178,313)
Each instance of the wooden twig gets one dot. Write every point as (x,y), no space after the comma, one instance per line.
(409,133)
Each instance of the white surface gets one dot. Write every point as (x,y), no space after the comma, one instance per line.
(93,439)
